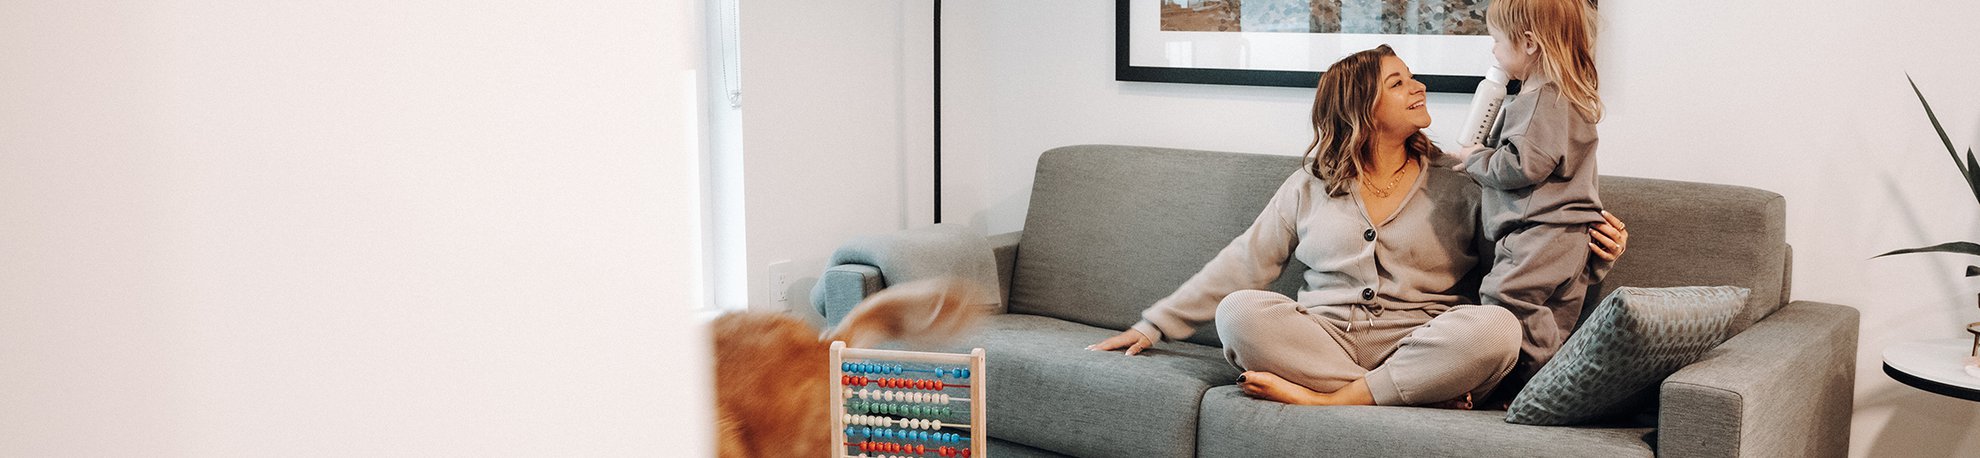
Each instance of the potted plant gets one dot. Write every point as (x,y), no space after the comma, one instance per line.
(1969,169)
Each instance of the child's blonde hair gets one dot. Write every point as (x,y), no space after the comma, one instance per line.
(1565,32)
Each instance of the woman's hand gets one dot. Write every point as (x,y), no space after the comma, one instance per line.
(1131,339)
(1609,239)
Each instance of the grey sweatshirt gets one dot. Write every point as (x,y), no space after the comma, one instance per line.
(1541,165)
(1416,259)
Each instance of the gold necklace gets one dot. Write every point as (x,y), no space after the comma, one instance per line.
(1394,179)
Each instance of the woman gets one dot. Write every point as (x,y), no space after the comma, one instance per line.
(1388,240)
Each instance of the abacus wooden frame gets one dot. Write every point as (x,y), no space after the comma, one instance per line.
(979,435)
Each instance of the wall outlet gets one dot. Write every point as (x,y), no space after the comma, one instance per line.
(780,282)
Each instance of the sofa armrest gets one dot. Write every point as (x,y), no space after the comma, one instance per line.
(842,287)
(1783,387)
(866,264)
(1005,246)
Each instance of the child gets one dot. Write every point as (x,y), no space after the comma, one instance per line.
(1538,173)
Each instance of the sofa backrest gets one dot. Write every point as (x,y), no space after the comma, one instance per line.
(1699,234)
(1111,229)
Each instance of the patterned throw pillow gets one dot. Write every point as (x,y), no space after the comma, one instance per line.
(1635,338)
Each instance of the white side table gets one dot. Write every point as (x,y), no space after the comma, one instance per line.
(1935,365)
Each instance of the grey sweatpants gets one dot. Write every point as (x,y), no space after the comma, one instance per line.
(1408,357)
(1540,273)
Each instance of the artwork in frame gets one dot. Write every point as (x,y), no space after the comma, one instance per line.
(1289,42)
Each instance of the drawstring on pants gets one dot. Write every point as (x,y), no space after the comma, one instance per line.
(1372,313)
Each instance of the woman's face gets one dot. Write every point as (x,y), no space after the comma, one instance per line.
(1400,100)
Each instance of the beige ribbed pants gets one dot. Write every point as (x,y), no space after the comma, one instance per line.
(1409,357)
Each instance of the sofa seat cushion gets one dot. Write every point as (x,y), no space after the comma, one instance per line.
(1236,425)
(1047,391)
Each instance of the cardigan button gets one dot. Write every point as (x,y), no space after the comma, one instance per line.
(1368,235)
(1367,294)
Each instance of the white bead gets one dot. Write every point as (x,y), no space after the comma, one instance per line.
(938,424)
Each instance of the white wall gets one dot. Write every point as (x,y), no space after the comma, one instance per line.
(1807,99)
(835,131)
(409,228)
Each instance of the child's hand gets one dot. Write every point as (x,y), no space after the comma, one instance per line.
(1464,153)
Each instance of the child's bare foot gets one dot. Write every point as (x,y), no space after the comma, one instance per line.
(1460,403)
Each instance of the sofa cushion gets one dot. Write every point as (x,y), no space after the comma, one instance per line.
(1637,337)
(1047,391)
(1236,425)
(1686,234)
(1112,229)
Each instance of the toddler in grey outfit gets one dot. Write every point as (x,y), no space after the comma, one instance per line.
(1539,201)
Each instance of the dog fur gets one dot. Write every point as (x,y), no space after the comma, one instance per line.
(771,368)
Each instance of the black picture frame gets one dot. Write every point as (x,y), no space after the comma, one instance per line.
(1125,71)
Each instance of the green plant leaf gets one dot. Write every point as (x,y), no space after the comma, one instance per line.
(1964,170)
(1972,173)
(1948,247)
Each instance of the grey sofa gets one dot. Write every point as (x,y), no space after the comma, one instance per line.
(1111,229)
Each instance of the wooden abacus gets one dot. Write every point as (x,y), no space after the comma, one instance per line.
(904,419)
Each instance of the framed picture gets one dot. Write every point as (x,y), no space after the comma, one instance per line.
(1289,42)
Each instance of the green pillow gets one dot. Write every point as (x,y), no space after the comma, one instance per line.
(1634,339)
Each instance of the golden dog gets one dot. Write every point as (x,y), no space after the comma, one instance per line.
(771,368)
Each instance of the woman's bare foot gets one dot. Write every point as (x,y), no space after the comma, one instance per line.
(1271,387)
(1460,403)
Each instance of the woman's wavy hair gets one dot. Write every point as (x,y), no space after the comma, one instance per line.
(1344,122)
(1565,33)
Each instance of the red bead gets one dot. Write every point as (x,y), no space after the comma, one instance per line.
(866,446)
(965,453)
(938,384)
(920,449)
